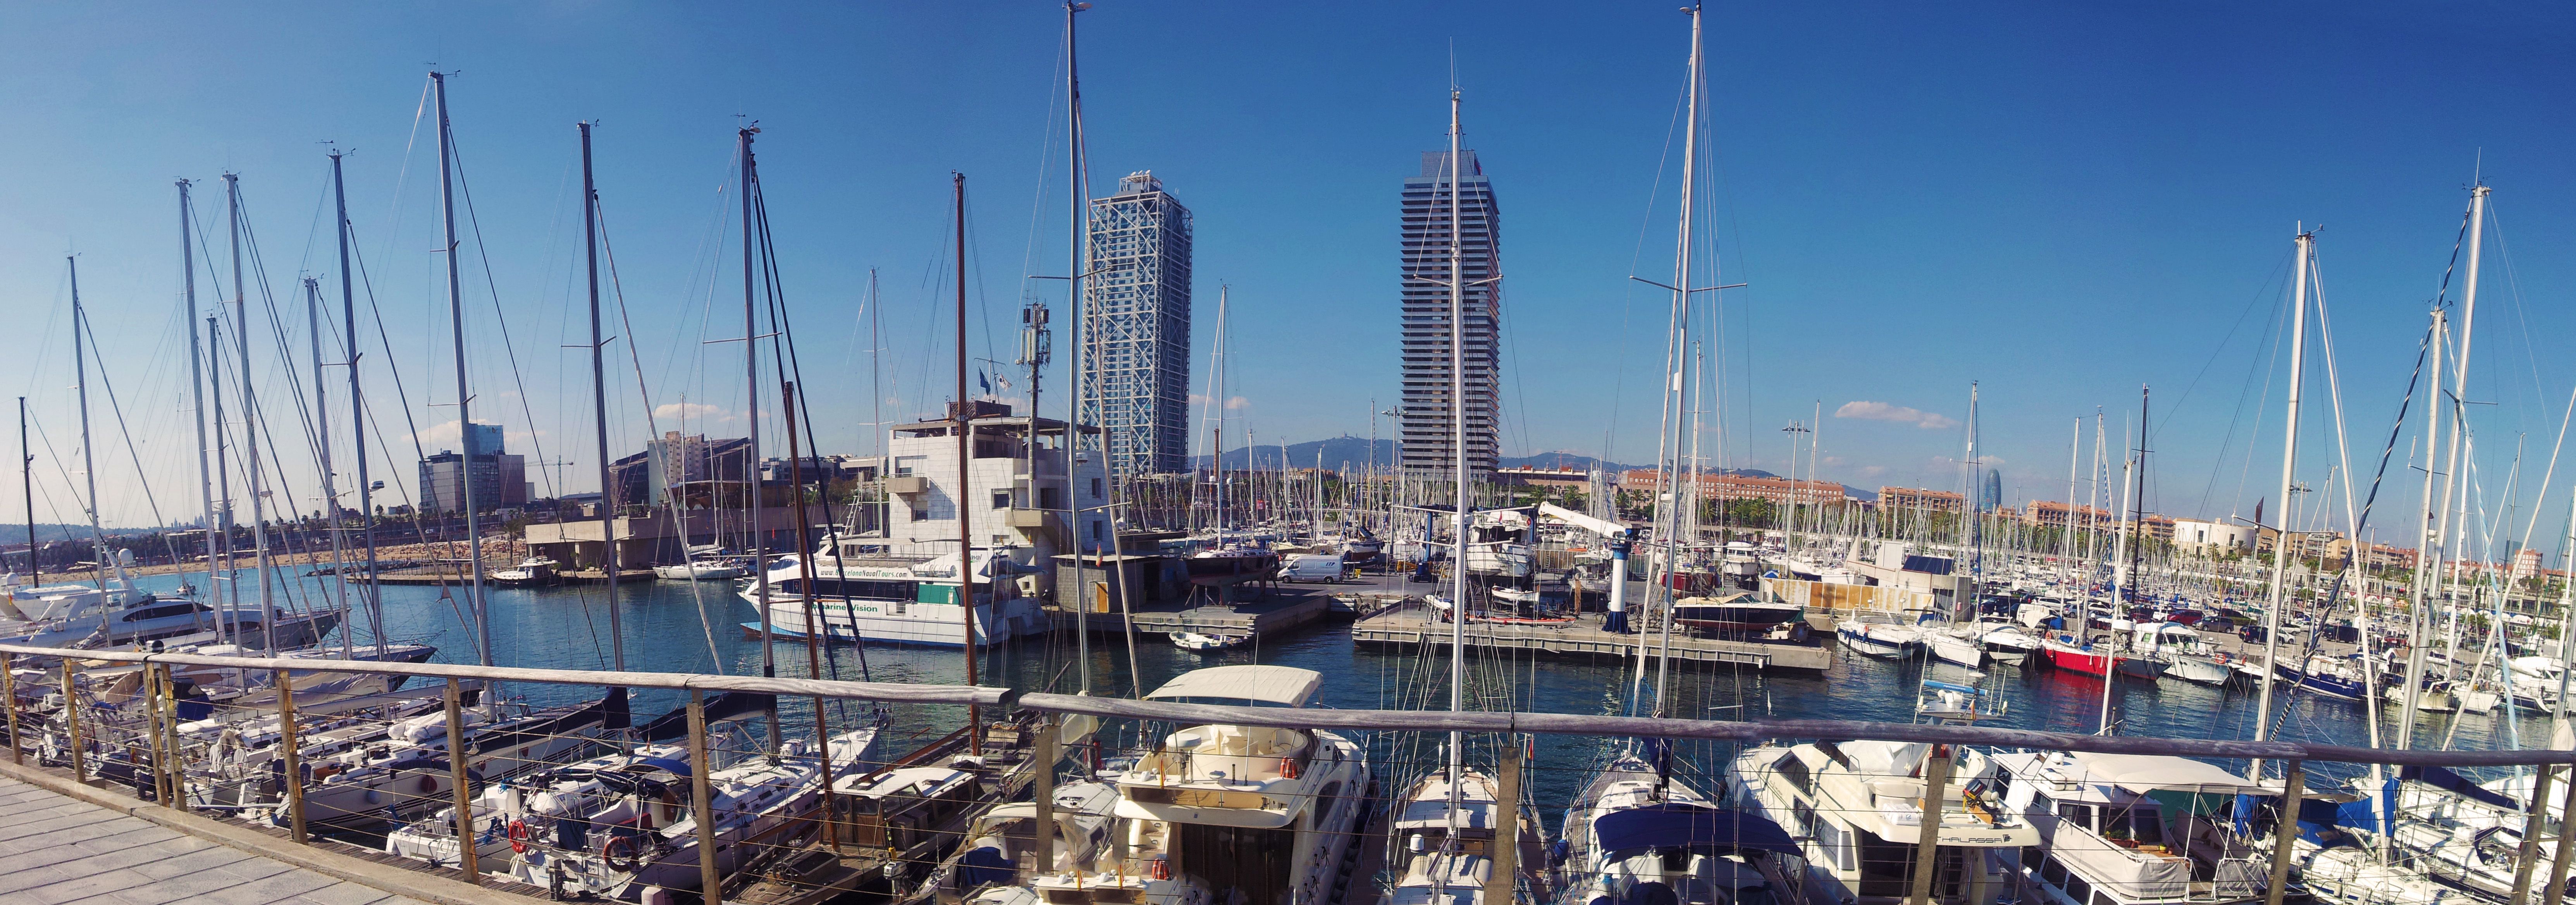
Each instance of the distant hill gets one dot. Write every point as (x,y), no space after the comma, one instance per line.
(1348,453)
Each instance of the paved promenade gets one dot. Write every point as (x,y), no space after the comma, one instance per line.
(58,849)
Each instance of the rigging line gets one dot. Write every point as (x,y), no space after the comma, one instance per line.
(2396,428)
(508,347)
(2271,290)
(617,289)
(118,410)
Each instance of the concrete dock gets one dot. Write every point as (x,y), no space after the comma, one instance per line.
(1415,624)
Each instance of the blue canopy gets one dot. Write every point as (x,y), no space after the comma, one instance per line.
(678,767)
(1672,825)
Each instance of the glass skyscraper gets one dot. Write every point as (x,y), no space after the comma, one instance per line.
(1136,327)
(1428,430)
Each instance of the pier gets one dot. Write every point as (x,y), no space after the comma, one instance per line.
(1414,625)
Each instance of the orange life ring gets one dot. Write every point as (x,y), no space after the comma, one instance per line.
(1162,869)
(518,837)
(619,853)
(1288,768)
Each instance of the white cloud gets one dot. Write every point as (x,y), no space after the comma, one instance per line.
(695,411)
(1231,402)
(1882,411)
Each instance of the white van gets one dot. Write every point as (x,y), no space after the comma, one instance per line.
(1313,567)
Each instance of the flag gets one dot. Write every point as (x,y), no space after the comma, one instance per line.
(987,384)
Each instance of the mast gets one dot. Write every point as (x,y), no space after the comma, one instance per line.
(223,469)
(1682,318)
(464,392)
(2074,449)
(1216,430)
(751,453)
(599,403)
(2431,535)
(1976,499)
(197,388)
(27,478)
(2280,598)
(322,440)
(1458,426)
(964,420)
(80,371)
(1076,204)
(370,589)
(250,427)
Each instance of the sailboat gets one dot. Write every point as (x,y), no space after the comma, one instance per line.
(1636,832)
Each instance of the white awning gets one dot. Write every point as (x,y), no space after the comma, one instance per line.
(1286,685)
(2147,772)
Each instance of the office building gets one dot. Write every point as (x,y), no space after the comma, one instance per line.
(1136,327)
(500,479)
(1429,439)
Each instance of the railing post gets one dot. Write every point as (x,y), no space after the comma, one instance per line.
(9,691)
(2531,835)
(1927,850)
(2286,835)
(286,751)
(152,729)
(701,801)
(1506,850)
(170,739)
(2558,865)
(71,719)
(465,854)
(1042,794)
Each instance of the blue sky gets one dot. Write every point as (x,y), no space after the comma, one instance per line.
(2062,202)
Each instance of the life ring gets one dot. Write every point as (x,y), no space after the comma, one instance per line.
(1162,870)
(428,783)
(1288,768)
(518,838)
(619,853)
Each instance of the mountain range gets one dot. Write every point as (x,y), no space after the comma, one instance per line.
(1349,453)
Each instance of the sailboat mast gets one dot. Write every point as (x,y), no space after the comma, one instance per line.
(2433,536)
(196,388)
(223,469)
(322,442)
(464,392)
(250,425)
(751,409)
(1682,308)
(1458,427)
(27,479)
(611,562)
(2279,598)
(80,378)
(370,589)
(965,424)
(1077,204)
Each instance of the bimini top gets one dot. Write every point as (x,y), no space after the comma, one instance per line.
(1284,685)
(2147,772)
(1677,825)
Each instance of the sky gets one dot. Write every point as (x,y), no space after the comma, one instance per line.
(2060,203)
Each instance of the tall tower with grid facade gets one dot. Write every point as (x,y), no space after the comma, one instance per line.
(1429,434)
(1136,327)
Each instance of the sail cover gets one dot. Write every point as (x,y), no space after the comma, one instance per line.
(1671,825)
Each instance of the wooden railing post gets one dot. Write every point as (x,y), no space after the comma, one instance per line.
(291,758)
(465,854)
(170,739)
(2285,836)
(71,719)
(152,729)
(2558,864)
(1927,850)
(1503,886)
(2531,827)
(9,691)
(701,801)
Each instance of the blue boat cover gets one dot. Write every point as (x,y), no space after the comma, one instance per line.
(981,866)
(678,767)
(2445,780)
(1672,825)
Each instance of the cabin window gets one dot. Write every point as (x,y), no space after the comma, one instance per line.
(1804,815)
(2052,871)
(1837,846)
(1795,771)
(2142,824)
(1001,499)
(2081,814)
(2077,889)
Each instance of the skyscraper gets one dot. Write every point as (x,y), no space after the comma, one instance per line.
(1429,445)
(1136,327)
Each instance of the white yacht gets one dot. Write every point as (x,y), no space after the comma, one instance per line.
(702,570)
(870,596)
(1857,810)
(405,771)
(999,858)
(2108,838)
(1224,813)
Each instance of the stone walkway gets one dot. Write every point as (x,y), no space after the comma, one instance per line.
(56,849)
